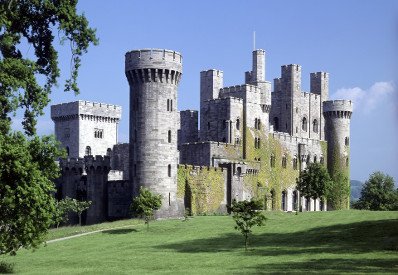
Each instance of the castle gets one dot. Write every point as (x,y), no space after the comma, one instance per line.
(252,142)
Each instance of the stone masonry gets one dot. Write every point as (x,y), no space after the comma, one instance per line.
(244,130)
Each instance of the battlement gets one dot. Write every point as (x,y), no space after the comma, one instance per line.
(338,108)
(218,144)
(80,108)
(319,75)
(201,168)
(219,100)
(153,59)
(285,137)
(212,72)
(240,88)
(87,161)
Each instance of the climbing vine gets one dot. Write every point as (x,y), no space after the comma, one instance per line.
(271,179)
(202,188)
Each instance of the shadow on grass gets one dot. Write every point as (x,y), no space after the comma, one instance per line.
(119,231)
(357,237)
(331,266)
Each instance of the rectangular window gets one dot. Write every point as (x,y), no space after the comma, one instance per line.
(98,133)
(67,132)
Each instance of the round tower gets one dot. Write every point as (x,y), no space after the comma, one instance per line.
(153,76)
(337,115)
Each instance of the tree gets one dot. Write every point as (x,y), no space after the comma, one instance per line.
(339,193)
(62,208)
(145,204)
(378,193)
(27,161)
(246,215)
(314,181)
(78,207)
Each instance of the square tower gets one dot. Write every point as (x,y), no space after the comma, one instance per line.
(86,128)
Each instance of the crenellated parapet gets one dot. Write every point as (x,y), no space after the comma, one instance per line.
(156,65)
(86,110)
(338,109)
(85,163)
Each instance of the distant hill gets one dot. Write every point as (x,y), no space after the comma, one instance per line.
(356,187)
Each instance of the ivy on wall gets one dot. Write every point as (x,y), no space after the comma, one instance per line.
(203,189)
(271,180)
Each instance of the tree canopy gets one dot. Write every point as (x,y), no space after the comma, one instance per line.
(145,204)
(27,162)
(378,193)
(246,215)
(314,181)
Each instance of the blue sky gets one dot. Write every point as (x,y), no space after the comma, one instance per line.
(355,41)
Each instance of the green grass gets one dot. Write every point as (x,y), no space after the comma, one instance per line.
(66,231)
(313,242)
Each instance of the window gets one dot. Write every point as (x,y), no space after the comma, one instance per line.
(98,133)
(169,170)
(238,171)
(315,126)
(294,200)
(272,161)
(208,125)
(169,136)
(67,151)
(283,202)
(347,141)
(304,124)
(295,163)
(315,159)
(257,124)
(108,152)
(168,105)
(284,160)
(347,162)
(88,151)
(67,132)
(237,124)
(276,124)
(322,161)
(257,143)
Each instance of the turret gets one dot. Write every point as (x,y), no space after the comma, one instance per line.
(154,76)
(319,84)
(337,115)
(211,81)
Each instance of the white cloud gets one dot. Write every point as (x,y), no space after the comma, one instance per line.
(367,100)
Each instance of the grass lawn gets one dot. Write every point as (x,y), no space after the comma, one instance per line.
(313,242)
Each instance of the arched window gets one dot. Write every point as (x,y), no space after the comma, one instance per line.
(315,126)
(295,163)
(237,124)
(255,123)
(108,152)
(272,161)
(283,202)
(88,151)
(67,151)
(259,124)
(284,160)
(276,124)
(169,170)
(238,171)
(294,200)
(169,136)
(315,159)
(304,124)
